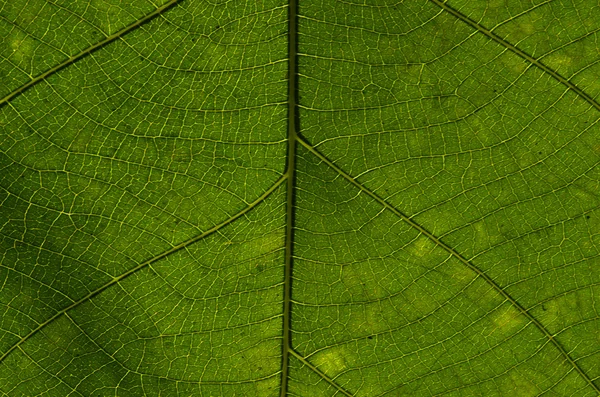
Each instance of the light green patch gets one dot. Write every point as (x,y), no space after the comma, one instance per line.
(527,28)
(22,46)
(558,60)
(514,63)
(368,319)
(422,246)
(266,243)
(550,314)
(521,383)
(266,387)
(111,15)
(481,236)
(508,319)
(333,360)
(458,271)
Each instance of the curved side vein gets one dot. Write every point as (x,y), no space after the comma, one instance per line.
(145,264)
(321,374)
(458,256)
(512,48)
(87,51)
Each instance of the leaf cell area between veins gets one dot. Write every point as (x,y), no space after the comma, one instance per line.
(305,198)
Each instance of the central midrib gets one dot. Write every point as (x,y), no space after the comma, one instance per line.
(294,138)
(290,172)
(293,128)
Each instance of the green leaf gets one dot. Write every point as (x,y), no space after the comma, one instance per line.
(320,198)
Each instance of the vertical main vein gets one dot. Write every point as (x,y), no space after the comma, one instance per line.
(290,172)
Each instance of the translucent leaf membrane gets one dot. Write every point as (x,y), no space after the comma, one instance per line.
(437,229)
(38,35)
(204,320)
(121,173)
(446,220)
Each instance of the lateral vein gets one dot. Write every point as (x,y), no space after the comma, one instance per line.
(145,264)
(462,259)
(515,50)
(87,51)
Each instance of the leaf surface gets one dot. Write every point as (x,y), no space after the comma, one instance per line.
(320,198)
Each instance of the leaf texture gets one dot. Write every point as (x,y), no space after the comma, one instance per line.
(313,198)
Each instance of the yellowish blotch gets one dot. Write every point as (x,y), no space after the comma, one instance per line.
(527,28)
(592,85)
(22,47)
(480,234)
(522,384)
(483,293)
(563,311)
(549,315)
(266,387)
(459,271)
(520,66)
(559,60)
(477,124)
(514,63)
(508,319)
(266,243)
(481,133)
(251,249)
(387,47)
(368,319)
(422,246)
(332,361)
